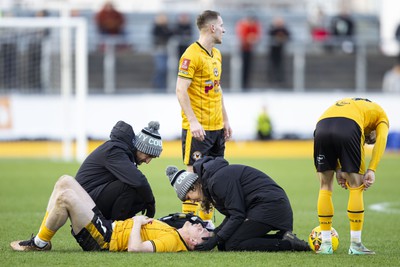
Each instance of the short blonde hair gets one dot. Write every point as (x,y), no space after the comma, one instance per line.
(206,17)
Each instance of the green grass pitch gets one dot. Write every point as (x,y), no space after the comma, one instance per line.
(25,186)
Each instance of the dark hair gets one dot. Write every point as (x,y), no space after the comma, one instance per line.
(206,204)
(206,17)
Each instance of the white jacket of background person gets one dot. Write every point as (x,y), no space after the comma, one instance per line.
(391,80)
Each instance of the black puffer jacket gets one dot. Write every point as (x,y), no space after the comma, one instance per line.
(240,192)
(114,160)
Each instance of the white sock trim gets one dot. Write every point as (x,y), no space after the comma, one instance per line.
(326,236)
(355,236)
(39,242)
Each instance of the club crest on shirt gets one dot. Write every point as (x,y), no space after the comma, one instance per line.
(185,64)
(342,103)
(216,72)
(197,155)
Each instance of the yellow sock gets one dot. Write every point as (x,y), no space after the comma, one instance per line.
(45,234)
(325,209)
(355,208)
(188,206)
(205,216)
(44,220)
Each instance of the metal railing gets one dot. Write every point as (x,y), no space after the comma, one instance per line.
(298,52)
(297,56)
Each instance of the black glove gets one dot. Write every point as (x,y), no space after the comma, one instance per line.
(208,244)
(216,230)
(150,209)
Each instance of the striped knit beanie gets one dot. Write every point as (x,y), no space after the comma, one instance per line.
(149,141)
(180,180)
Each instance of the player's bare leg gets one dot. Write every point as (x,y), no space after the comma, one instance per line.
(68,200)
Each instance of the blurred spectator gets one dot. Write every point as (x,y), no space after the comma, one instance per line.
(161,33)
(183,32)
(109,20)
(8,56)
(279,35)
(248,31)
(391,79)
(397,33)
(318,26)
(343,31)
(397,36)
(264,126)
(35,53)
(111,26)
(75,13)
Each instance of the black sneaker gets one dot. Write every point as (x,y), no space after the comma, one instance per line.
(297,244)
(28,245)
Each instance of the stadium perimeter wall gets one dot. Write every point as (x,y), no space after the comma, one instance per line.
(173,149)
(46,117)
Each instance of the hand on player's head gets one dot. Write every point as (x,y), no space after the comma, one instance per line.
(196,232)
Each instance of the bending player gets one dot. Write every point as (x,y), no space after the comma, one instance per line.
(339,138)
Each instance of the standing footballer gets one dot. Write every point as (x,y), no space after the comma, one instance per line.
(205,123)
(339,139)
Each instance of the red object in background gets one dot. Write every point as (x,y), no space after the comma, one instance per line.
(320,34)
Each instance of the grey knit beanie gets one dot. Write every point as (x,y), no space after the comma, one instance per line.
(149,141)
(181,180)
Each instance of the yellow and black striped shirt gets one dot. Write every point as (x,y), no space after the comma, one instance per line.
(205,93)
(164,238)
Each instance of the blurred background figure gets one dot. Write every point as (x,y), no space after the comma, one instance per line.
(343,31)
(397,34)
(75,13)
(264,126)
(111,25)
(161,33)
(109,20)
(279,35)
(8,56)
(248,30)
(35,53)
(183,32)
(391,79)
(319,27)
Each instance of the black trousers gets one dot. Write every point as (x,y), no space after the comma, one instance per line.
(253,236)
(119,201)
(246,59)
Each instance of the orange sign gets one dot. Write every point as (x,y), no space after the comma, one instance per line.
(5,113)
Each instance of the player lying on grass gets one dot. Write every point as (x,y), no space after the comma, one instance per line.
(93,232)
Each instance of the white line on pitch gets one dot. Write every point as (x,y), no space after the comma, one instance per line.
(386,207)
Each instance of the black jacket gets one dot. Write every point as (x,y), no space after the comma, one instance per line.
(114,160)
(241,192)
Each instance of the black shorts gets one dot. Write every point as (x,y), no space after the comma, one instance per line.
(96,235)
(338,139)
(192,149)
